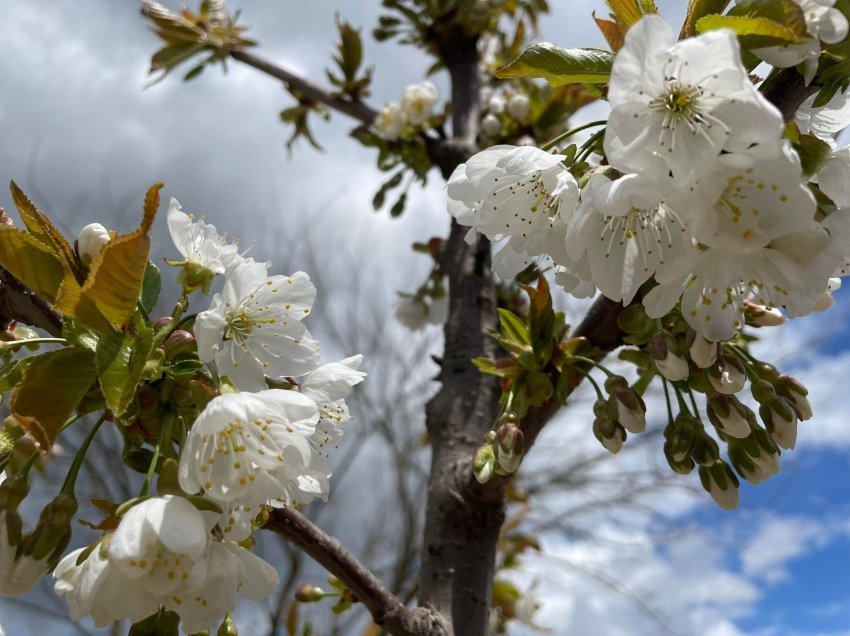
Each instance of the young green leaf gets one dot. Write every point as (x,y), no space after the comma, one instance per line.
(561,66)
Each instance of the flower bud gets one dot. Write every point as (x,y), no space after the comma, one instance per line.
(668,361)
(390,122)
(484,464)
(763,391)
(509,448)
(761,316)
(728,376)
(702,351)
(826,299)
(412,312)
(90,241)
(781,421)
(720,482)
(629,406)
(610,434)
(680,437)
(307,593)
(729,416)
(227,628)
(793,390)
(519,107)
(756,458)
(496,104)
(159,323)
(491,125)
(179,341)
(705,451)
(195,276)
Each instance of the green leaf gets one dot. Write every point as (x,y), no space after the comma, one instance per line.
(114,283)
(121,360)
(513,327)
(628,11)
(11,374)
(539,388)
(185,367)
(813,152)
(51,388)
(398,206)
(31,261)
(699,9)
(41,227)
(753,32)
(381,194)
(151,286)
(561,66)
(79,335)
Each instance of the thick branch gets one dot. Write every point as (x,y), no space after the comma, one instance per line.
(386,609)
(17,303)
(357,110)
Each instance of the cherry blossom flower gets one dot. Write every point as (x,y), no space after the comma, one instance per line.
(520,193)
(677,106)
(205,253)
(418,101)
(19,573)
(253,327)
(251,448)
(825,121)
(390,122)
(625,232)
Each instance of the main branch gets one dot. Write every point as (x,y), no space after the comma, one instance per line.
(386,609)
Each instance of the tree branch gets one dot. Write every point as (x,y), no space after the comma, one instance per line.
(386,609)
(312,92)
(18,303)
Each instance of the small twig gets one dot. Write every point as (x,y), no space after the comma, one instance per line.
(357,110)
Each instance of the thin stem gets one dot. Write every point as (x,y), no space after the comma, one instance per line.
(33,341)
(587,146)
(590,379)
(694,404)
(610,374)
(680,399)
(68,423)
(164,438)
(71,478)
(566,135)
(667,400)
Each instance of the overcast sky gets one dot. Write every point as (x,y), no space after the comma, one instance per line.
(81,134)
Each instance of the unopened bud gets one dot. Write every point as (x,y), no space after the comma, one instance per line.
(519,107)
(680,436)
(762,316)
(729,416)
(491,125)
(179,341)
(702,351)
(756,458)
(780,418)
(826,299)
(227,628)
(705,451)
(793,390)
(159,323)
(728,376)
(509,448)
(629,406)
(90,241)
(763,391)
(665,351)
(610,434)
(53,533)
(720,482)
(484,464)
(307,593)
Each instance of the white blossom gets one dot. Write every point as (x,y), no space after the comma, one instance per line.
(390,122)
(519,107)
(784,428)
(199,242)
(19,573)
(491,125)
(765,466)
(833,176)
(251,448)
(677,105)
(415,311)
(161,544)
(96,587)
(253,327)
(823,23)
(626,232)
(726,497)
(90,241)
(825,121)
(418,102)
(729,380)
(231,572)
(520,193)
(703,352)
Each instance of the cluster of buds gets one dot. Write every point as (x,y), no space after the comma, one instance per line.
(623,410)
(26,558)
(504,112)
(502,451)
(412,114)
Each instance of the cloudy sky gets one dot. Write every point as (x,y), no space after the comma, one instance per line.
(80,132)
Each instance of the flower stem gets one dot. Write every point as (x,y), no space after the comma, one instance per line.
(566,135)
(164,438)
(33,341)
(71,478)
(667,400)
(590,379)
(610,374)
(587,146)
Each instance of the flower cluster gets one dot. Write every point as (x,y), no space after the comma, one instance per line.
(416,108)
(237,410)
(701,194)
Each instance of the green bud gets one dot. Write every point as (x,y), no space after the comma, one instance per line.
(720,482)
(509,448)
(53,532)
(668,360)
(762,391)
(484,464)
(227,628)
(610,434)
(307,593)
(195,276)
